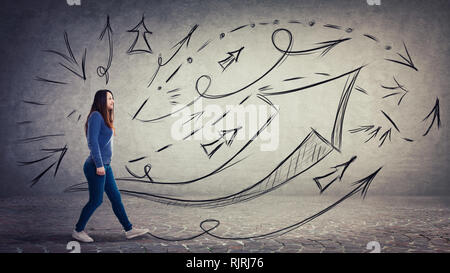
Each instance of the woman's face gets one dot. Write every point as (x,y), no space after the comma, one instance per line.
(109,101)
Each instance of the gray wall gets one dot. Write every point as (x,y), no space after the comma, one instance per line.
(30,27)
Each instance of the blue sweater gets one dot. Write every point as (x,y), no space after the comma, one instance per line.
(99,139)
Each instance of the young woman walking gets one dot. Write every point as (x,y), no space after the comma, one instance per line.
(99,130)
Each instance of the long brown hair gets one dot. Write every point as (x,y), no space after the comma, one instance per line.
(99,105)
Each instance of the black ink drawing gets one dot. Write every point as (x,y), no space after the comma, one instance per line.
(49,81)
(179,45)
(390,120)
(72,61)
(101,70)
(360,186)
(233,57)
(399,86)
(405,61)
(332,176)
(141,31)
(216,144)
(62,152)
(436,117)
(265,85)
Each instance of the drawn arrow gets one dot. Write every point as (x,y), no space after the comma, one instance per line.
(362,186)
(385,136)
(194,115)
(226,133)
(331,177)
(406,61)
(373,134)
(71,59)
(233,57)
(216,144)
(436,116)
(324,48)
(364,128)
(101,70)
(58,162)
(180,44)
(140,30)
(399,86)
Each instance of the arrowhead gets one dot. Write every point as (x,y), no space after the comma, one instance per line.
(331,177)
(233,57)
(405,61)
(107,28)
(328,45)
(363,184)
(63,152)
(210,152)
(212,147)
(343,167)
(235,54)
(187,38)
(229,135)
(145,46)
(194,115)
(436,115)
(139,27)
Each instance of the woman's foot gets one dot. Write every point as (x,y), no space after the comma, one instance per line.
(82,236)
(136,232)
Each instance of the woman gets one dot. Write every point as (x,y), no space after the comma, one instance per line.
(99,131)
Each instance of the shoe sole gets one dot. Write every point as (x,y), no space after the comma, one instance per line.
(137,235)
(81,240)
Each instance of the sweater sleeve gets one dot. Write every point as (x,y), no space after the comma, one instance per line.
(93,132)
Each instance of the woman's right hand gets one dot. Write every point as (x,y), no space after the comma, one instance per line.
(101,171)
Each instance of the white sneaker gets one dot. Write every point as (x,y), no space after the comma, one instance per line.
(135,232)
(82,236)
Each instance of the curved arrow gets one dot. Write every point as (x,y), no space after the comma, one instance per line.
(362,186)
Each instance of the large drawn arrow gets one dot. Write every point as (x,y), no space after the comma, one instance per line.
(362,186)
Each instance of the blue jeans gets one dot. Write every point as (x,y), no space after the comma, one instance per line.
(97,185)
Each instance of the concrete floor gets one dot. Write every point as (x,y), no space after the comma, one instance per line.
(394,223)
